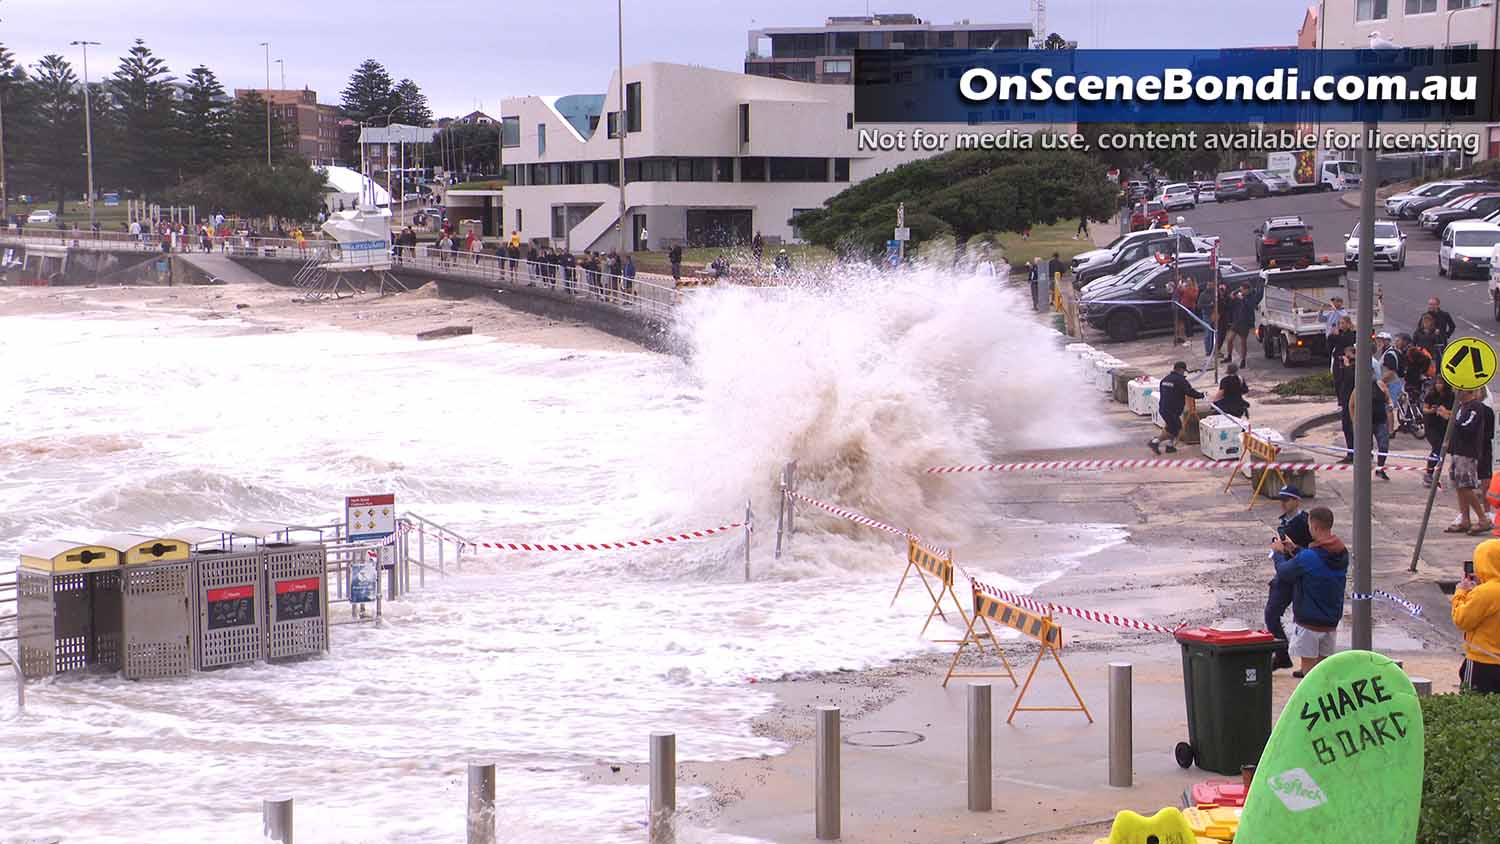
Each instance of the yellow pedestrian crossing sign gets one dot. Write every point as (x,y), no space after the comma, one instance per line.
(1468,364)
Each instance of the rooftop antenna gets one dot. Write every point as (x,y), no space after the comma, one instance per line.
(1038,23)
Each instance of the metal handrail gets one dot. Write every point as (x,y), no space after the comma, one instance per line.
(444,531)
(20,679)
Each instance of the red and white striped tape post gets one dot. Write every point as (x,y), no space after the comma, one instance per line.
(1149,463)
(689,536)
(1087,615)
(861,519)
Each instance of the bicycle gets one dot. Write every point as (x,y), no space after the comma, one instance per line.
(1409,415)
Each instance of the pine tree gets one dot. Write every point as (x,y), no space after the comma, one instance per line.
(144,137)
(57,155)
(245,126)
(412,106)
(204,118)
(369,96)
(19,120)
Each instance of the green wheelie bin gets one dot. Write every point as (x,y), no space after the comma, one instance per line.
(1226,675)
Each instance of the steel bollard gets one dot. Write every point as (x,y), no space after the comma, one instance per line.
(481,803)
(828,788)
(663,786)
(1422,685)
(276,818)
(1121,725)
(981,786)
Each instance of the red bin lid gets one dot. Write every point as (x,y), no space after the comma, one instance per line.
(1214,636)
(1218,793)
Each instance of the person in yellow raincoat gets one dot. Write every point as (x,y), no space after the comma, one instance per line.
(1476,613)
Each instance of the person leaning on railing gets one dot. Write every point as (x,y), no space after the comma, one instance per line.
(1476,612)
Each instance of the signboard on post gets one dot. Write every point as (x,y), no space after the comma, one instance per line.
(1468,363)
(364,577)
(369,517)
(903,233)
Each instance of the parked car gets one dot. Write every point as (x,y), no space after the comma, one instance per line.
(1178,195)
(1137,190)
(1413,208)
(1469,207)
(1106,253)
(1166,241)
(1115,308)
(1390,246)
(1204,191)
(1146,213)
(42,216)
(1466,249)
(1235,185)
(1272,184)
(1283,241)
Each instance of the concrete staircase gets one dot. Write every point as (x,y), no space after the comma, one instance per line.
(220,267)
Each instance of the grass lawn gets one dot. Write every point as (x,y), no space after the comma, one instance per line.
(739,256)
(110,217)
(1044,241)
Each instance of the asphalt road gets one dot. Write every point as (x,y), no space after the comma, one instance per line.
(1404,292)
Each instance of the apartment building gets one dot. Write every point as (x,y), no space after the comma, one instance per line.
(1458,25)
(711,157)
(315,127)
(826,53)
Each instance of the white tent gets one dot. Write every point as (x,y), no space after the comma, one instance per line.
(364,238)
(352,189)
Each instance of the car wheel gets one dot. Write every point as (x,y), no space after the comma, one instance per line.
(1122,326)
(1349,265)
(1401,263)
(1286,354)
(1268,345)
(1441,269)
(1184,754)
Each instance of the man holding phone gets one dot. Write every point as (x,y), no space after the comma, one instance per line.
(1290,528)
(1317,576)
(1476,612)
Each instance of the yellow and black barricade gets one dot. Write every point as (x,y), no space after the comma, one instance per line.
(926,562)
(1251,448)
(972,636)
(1048,635)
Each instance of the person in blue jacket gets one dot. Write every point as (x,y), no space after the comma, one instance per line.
(1317,575)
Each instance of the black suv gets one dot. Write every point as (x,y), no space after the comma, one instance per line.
(1283,242)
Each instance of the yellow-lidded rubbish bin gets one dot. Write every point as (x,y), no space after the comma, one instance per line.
(157,592)
(68,607)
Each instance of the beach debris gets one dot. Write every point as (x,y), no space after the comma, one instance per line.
(446,331)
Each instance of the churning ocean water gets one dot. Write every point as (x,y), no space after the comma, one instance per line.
(543,664)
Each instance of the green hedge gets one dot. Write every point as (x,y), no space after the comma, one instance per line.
(1461,785)
(1316,384)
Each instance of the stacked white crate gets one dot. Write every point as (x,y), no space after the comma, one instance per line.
(1219,437)
(1104,373)
(1143,399)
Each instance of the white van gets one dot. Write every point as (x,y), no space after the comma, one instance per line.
(1466,249)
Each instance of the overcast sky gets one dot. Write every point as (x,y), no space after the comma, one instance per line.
(464,58)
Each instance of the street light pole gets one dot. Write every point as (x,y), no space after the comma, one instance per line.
(88,124)
(1448,30)
(281,65)
(267,45)
(621,123)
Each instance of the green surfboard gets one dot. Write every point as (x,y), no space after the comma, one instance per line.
(1344,762)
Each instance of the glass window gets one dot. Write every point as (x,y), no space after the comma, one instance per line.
(633,106)
(838,66)
(945,39)
(744,123)
(725,170)
(703,169)
(541,139)
(1420,7)
(845,43)
(1370,10)
(841,169)
(612,124)
(559,222)
(849,120)
(753,169)
(1463,4)
(787,169)
(1463,54)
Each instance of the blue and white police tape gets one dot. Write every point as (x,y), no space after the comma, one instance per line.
(1414,609)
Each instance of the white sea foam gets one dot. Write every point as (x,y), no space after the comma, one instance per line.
(545,664)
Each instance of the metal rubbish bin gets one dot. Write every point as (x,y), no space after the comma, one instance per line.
(297,599)
(157,597)
(1226,675)
(68,608)
(230,590)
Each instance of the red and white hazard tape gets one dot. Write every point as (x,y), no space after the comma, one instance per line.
(607,546)
(1151,463)
(1087,615)
(861,519)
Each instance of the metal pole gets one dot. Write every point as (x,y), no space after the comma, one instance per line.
(1121,726)
(281,63)
(4,194)
(621,123)
(1363,383)
(781,513)
(1422,685)
(827,785)
(267,45)
(791,510)
(88,126)
(1437,474)
(981,722)
(481,817)
(276,819)
(663,786)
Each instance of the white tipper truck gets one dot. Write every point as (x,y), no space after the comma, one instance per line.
(1310,170)
(1291,318)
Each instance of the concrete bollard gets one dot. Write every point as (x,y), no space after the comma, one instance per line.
(1121,726)
(663,786)
(827,785)
(1422,685)
(276,819)
(981,786)
(481,817)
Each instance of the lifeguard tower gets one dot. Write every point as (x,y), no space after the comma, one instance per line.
(362,240)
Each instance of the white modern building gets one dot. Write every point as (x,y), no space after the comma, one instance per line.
(1437,25)
(710,157)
